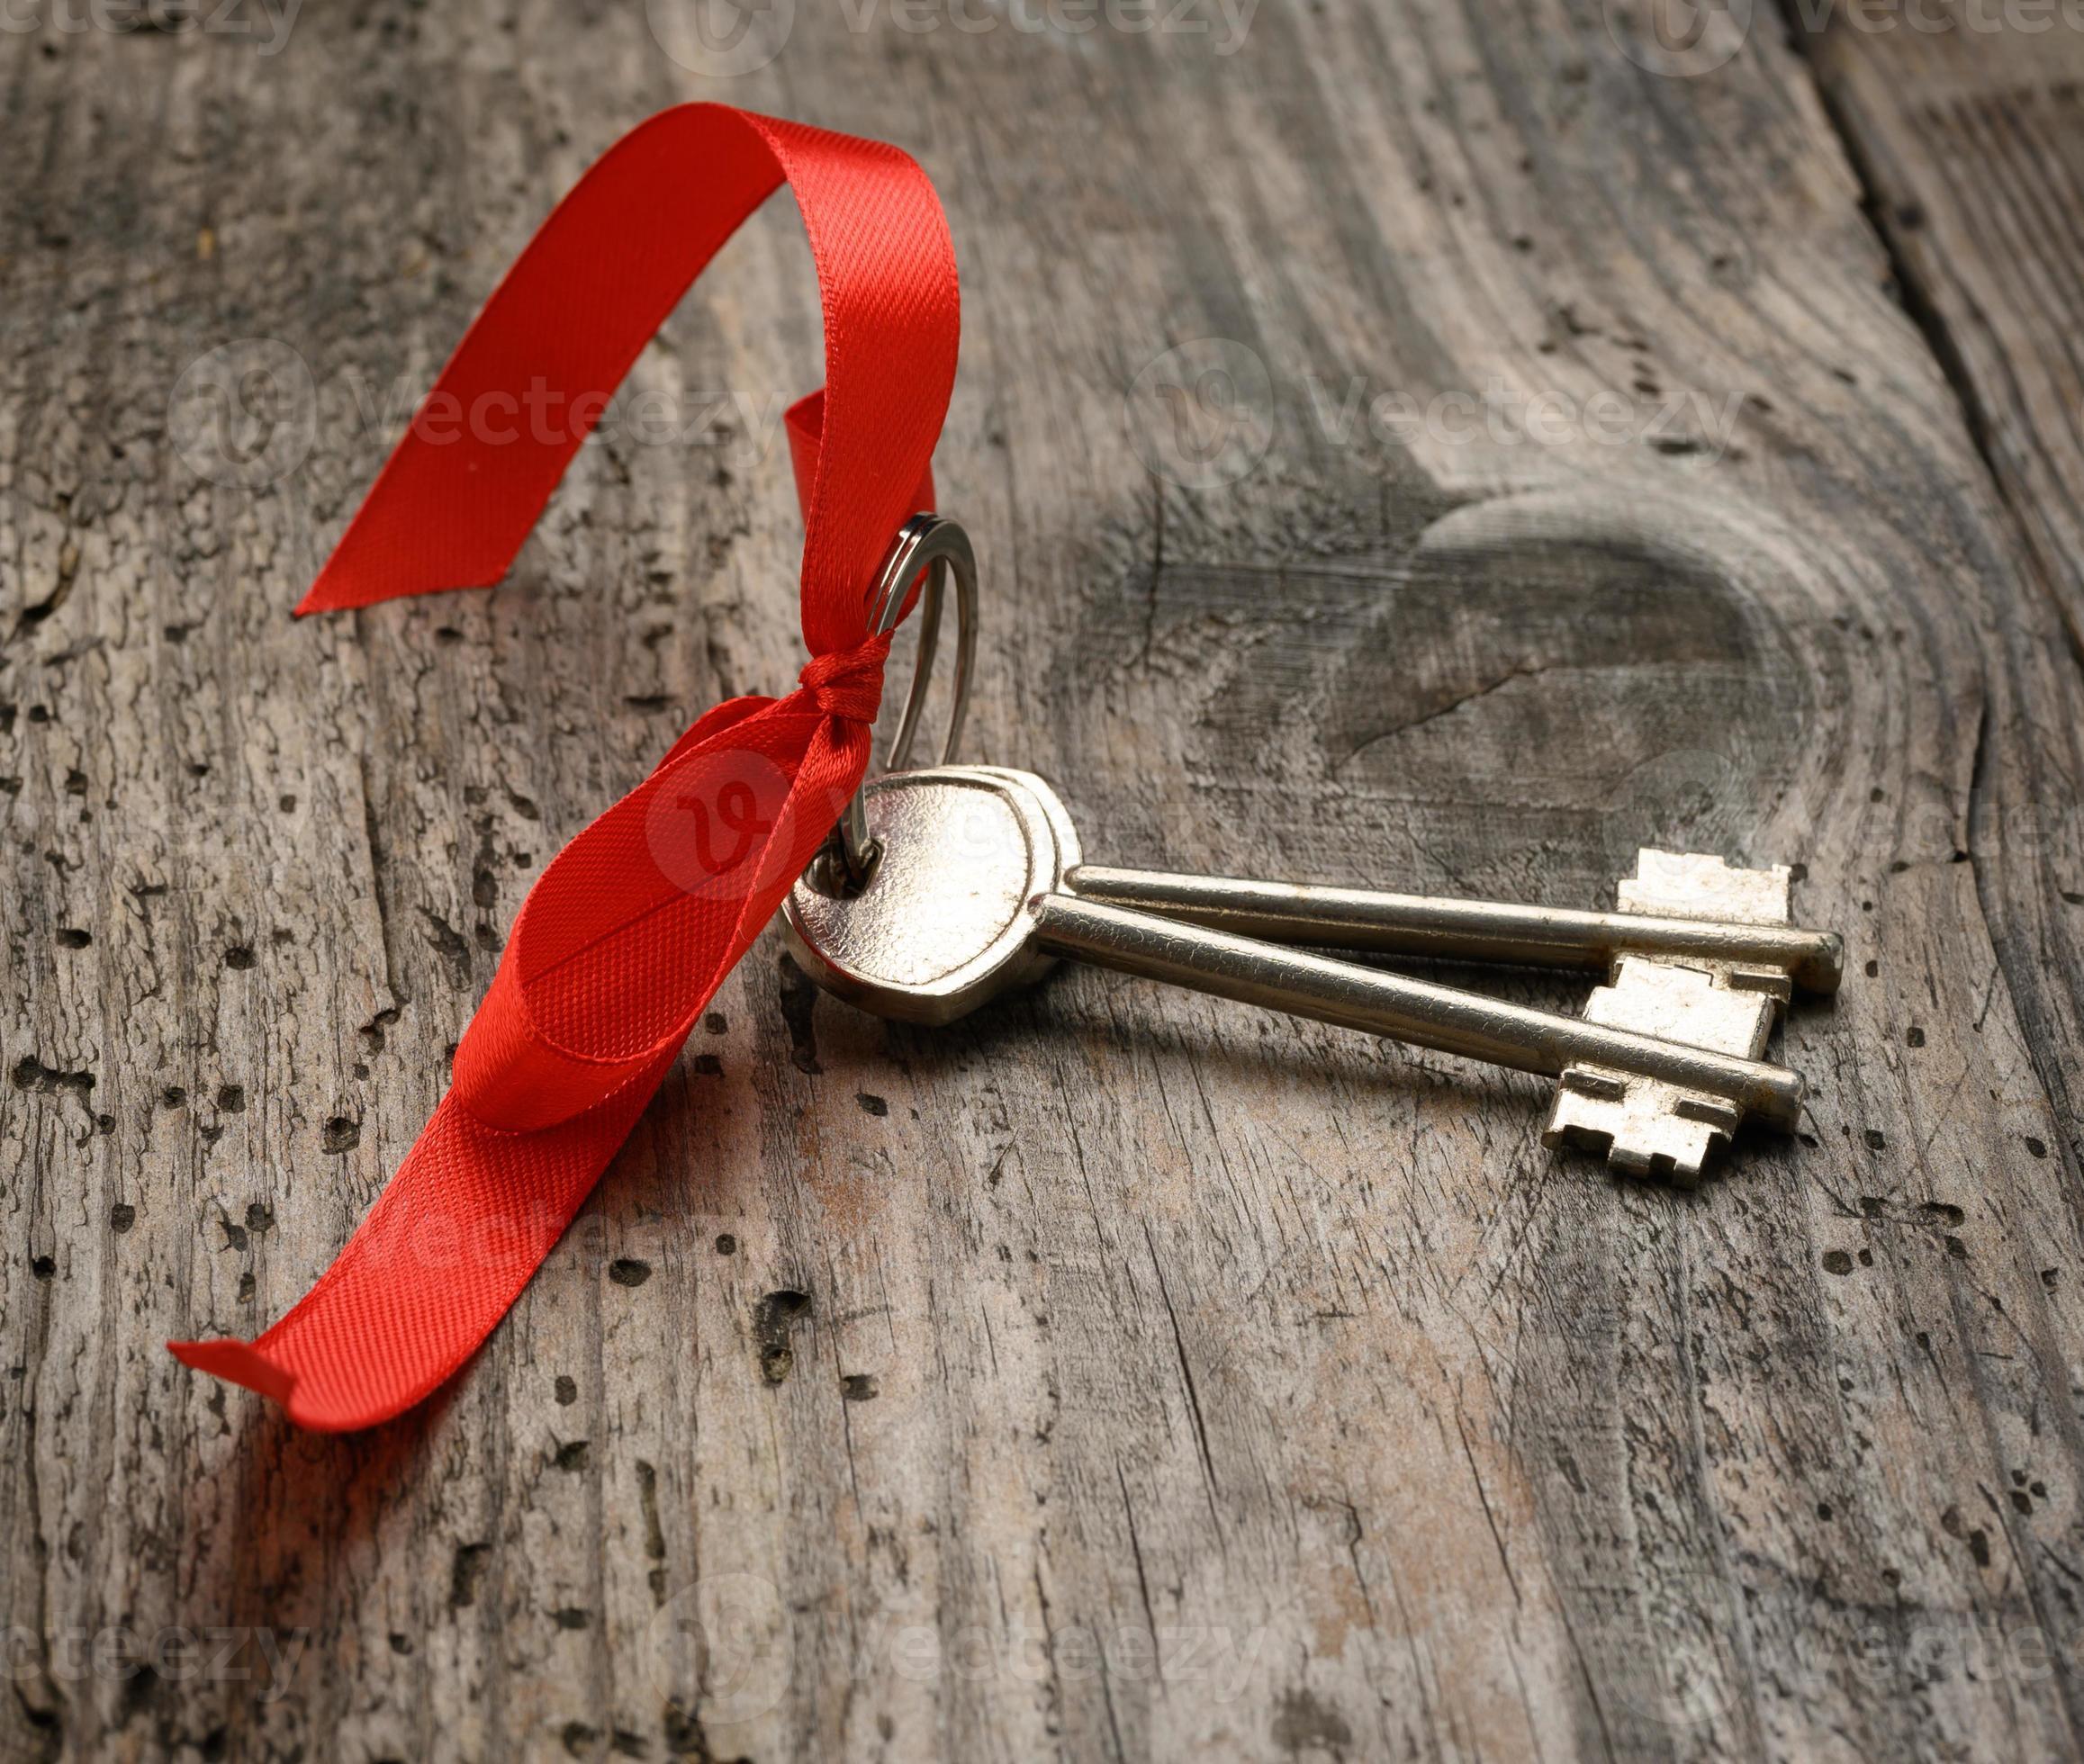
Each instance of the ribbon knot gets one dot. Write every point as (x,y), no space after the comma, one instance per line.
(849,682)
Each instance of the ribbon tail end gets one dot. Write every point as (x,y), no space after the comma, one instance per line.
(342,589)
(242,1363)
(236,1363)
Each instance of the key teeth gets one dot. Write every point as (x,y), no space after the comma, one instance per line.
(1773,983)
(1641,1127)
(1698,884)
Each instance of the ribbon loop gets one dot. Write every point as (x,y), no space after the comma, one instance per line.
(628,932)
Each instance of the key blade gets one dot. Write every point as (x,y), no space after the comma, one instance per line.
(1374,1002)
(1770,954)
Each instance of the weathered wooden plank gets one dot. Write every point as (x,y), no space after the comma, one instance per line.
(1116,1373)
(1970,137)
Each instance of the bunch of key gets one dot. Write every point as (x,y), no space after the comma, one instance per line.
(978,884)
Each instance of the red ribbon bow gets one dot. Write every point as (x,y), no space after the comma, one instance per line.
(629,931)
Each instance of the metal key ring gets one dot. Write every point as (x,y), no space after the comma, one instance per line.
(938,546)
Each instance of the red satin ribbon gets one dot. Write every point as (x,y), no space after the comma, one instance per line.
(628,932)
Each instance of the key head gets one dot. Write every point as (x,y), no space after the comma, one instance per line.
(943,923)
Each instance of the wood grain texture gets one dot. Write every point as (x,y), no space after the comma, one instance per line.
(1116,1374)
(1973,143)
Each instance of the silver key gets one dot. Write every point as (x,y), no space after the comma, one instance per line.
(1700,952)
(1763,954)
(969,897)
